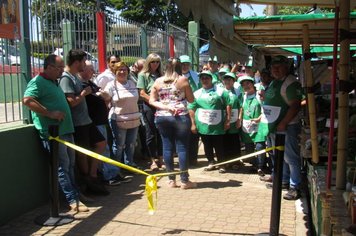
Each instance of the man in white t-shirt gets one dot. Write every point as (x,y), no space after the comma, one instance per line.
(108,75)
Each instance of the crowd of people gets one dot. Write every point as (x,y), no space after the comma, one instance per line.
(168,108)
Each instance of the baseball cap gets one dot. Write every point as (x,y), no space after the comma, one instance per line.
(214,59)
(206,72)
(224,70)
(246,77)
(185,59)
(230,74)
(280,60)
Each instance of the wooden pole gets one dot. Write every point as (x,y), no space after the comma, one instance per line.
(332,98)
(311,97)
(344,66)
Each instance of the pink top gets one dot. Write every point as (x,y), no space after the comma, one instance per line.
(169,95)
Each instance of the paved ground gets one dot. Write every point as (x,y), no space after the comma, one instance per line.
(235,203)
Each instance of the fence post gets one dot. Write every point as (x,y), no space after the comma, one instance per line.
(144,46)
(193,35)
(54,218)
(68,37)
(277,186)
(25,53)
(101,35)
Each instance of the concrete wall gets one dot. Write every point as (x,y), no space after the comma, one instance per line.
(24,179)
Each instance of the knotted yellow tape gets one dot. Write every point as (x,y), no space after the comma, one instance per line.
(151,180)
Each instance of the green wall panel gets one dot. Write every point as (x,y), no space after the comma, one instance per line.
(24,180)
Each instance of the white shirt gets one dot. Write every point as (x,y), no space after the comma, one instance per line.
(104,78)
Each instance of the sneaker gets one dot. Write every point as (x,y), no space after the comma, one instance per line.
(266,179)
(172,183)
(292,194)
(112,182)
(222,170)
(260,172)
(123,179)
(78,206)
(154,167)
(210,167)
(188,185)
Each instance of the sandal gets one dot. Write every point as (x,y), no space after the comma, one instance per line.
(154,166)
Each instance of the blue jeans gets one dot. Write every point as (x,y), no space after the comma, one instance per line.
(292,160)
(66,163)
(124,141)
(109,171)
(175,130)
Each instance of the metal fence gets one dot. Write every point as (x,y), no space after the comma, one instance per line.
(58,26)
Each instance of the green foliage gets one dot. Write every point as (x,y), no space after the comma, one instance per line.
(45,46)
(40,55)
(129,60)
(52,14)
(290,10)
(153,13)
(156,14)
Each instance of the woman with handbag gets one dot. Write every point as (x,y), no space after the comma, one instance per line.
(124,116)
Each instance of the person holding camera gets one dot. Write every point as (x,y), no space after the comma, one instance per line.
(98,112)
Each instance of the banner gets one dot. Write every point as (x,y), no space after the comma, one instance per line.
(9,19)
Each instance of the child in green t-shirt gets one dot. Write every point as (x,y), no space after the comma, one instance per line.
(251,114)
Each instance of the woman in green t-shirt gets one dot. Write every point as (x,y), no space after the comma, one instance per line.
(151,71)
(210,114)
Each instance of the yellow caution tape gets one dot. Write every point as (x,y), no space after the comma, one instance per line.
(280,148)
(151,180)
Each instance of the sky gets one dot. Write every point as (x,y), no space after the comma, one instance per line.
(247,11)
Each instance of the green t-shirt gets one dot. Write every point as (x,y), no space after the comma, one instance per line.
(235,107)
(48,94)
(70,84)
(146,82)
(251,132)
(276,98)
(210,108)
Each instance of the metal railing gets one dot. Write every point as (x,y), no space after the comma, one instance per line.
(58,26)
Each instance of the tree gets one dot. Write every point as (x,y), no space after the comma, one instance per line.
(156,14)
(291,10)
(153,13)
(51,14)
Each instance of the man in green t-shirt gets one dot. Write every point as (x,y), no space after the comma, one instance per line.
(49,106)
(281,106)
(213,65)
